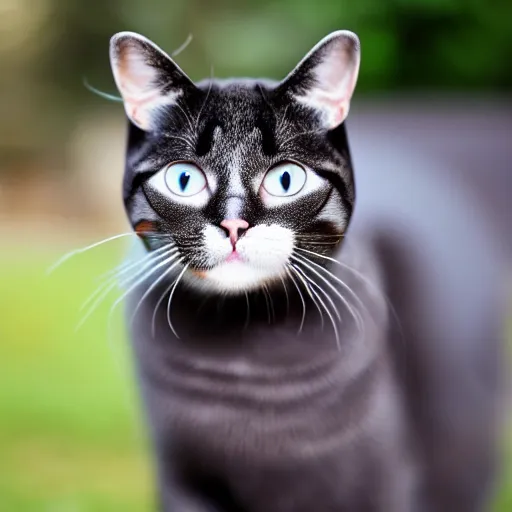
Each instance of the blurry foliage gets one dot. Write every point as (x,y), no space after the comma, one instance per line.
(405,43)
(48,46)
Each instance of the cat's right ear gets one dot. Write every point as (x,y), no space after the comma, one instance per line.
(325,79)
(147,78)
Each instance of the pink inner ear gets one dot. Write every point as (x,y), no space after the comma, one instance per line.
(145,77)
(339,116)
(335,78)
(135,75)
(135,80)
(138,109)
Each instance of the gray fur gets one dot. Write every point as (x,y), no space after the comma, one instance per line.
(245,413)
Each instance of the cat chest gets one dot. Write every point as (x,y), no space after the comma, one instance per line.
(246,413)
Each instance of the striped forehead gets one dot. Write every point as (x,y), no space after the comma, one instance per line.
(233,158)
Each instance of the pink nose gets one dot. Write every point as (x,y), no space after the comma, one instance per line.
(233,228)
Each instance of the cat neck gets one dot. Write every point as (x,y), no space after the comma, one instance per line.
(276,323)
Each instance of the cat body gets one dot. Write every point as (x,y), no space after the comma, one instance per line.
(298,350)
(260,418)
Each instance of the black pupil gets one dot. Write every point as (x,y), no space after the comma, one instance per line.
(184,179)
(285,180)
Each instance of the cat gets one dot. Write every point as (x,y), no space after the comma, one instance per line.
(297,351)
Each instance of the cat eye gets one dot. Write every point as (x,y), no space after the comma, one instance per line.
(286,179)
(184,179)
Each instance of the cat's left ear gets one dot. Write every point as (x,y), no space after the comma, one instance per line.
(147,78)
(326,77)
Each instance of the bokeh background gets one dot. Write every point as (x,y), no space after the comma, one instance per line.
(436,73)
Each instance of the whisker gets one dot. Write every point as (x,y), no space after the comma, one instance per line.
(170,300)
(188,142)
(361,276)
(290,275)
(307,242)
(325,307)
(157,305)
(286,294)
(110,283)
(307,263)
(357,317)
(104,289)
(120,269)
(308,289)
(383,296)
(168,258)
(189,245)
(265,294)
(184,45)
(106,276)
(202,305)
(316,235)
(327,296)
(271,305)
(153,286)
(206,99)
(283,120)
(70,254)
(113,285)
(101,94)
(187,117)
(113,307)
(140,281)
(248,315)
(189,237)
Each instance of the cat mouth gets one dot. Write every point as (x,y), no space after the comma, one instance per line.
(258,258)
(234,256)
(232,259)
(234,274)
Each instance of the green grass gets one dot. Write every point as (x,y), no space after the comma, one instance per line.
(71,436)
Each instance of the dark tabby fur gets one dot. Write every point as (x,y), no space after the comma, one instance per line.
(287,382)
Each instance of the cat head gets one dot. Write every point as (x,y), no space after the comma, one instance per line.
(235,176)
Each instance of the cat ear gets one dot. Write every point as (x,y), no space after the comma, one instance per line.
(326,77)
(147,78)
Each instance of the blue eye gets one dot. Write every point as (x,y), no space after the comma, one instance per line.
(185,179)
(285,179)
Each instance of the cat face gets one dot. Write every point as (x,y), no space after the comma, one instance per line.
(236,175)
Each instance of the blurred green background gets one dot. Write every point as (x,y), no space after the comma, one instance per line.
(71,434)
